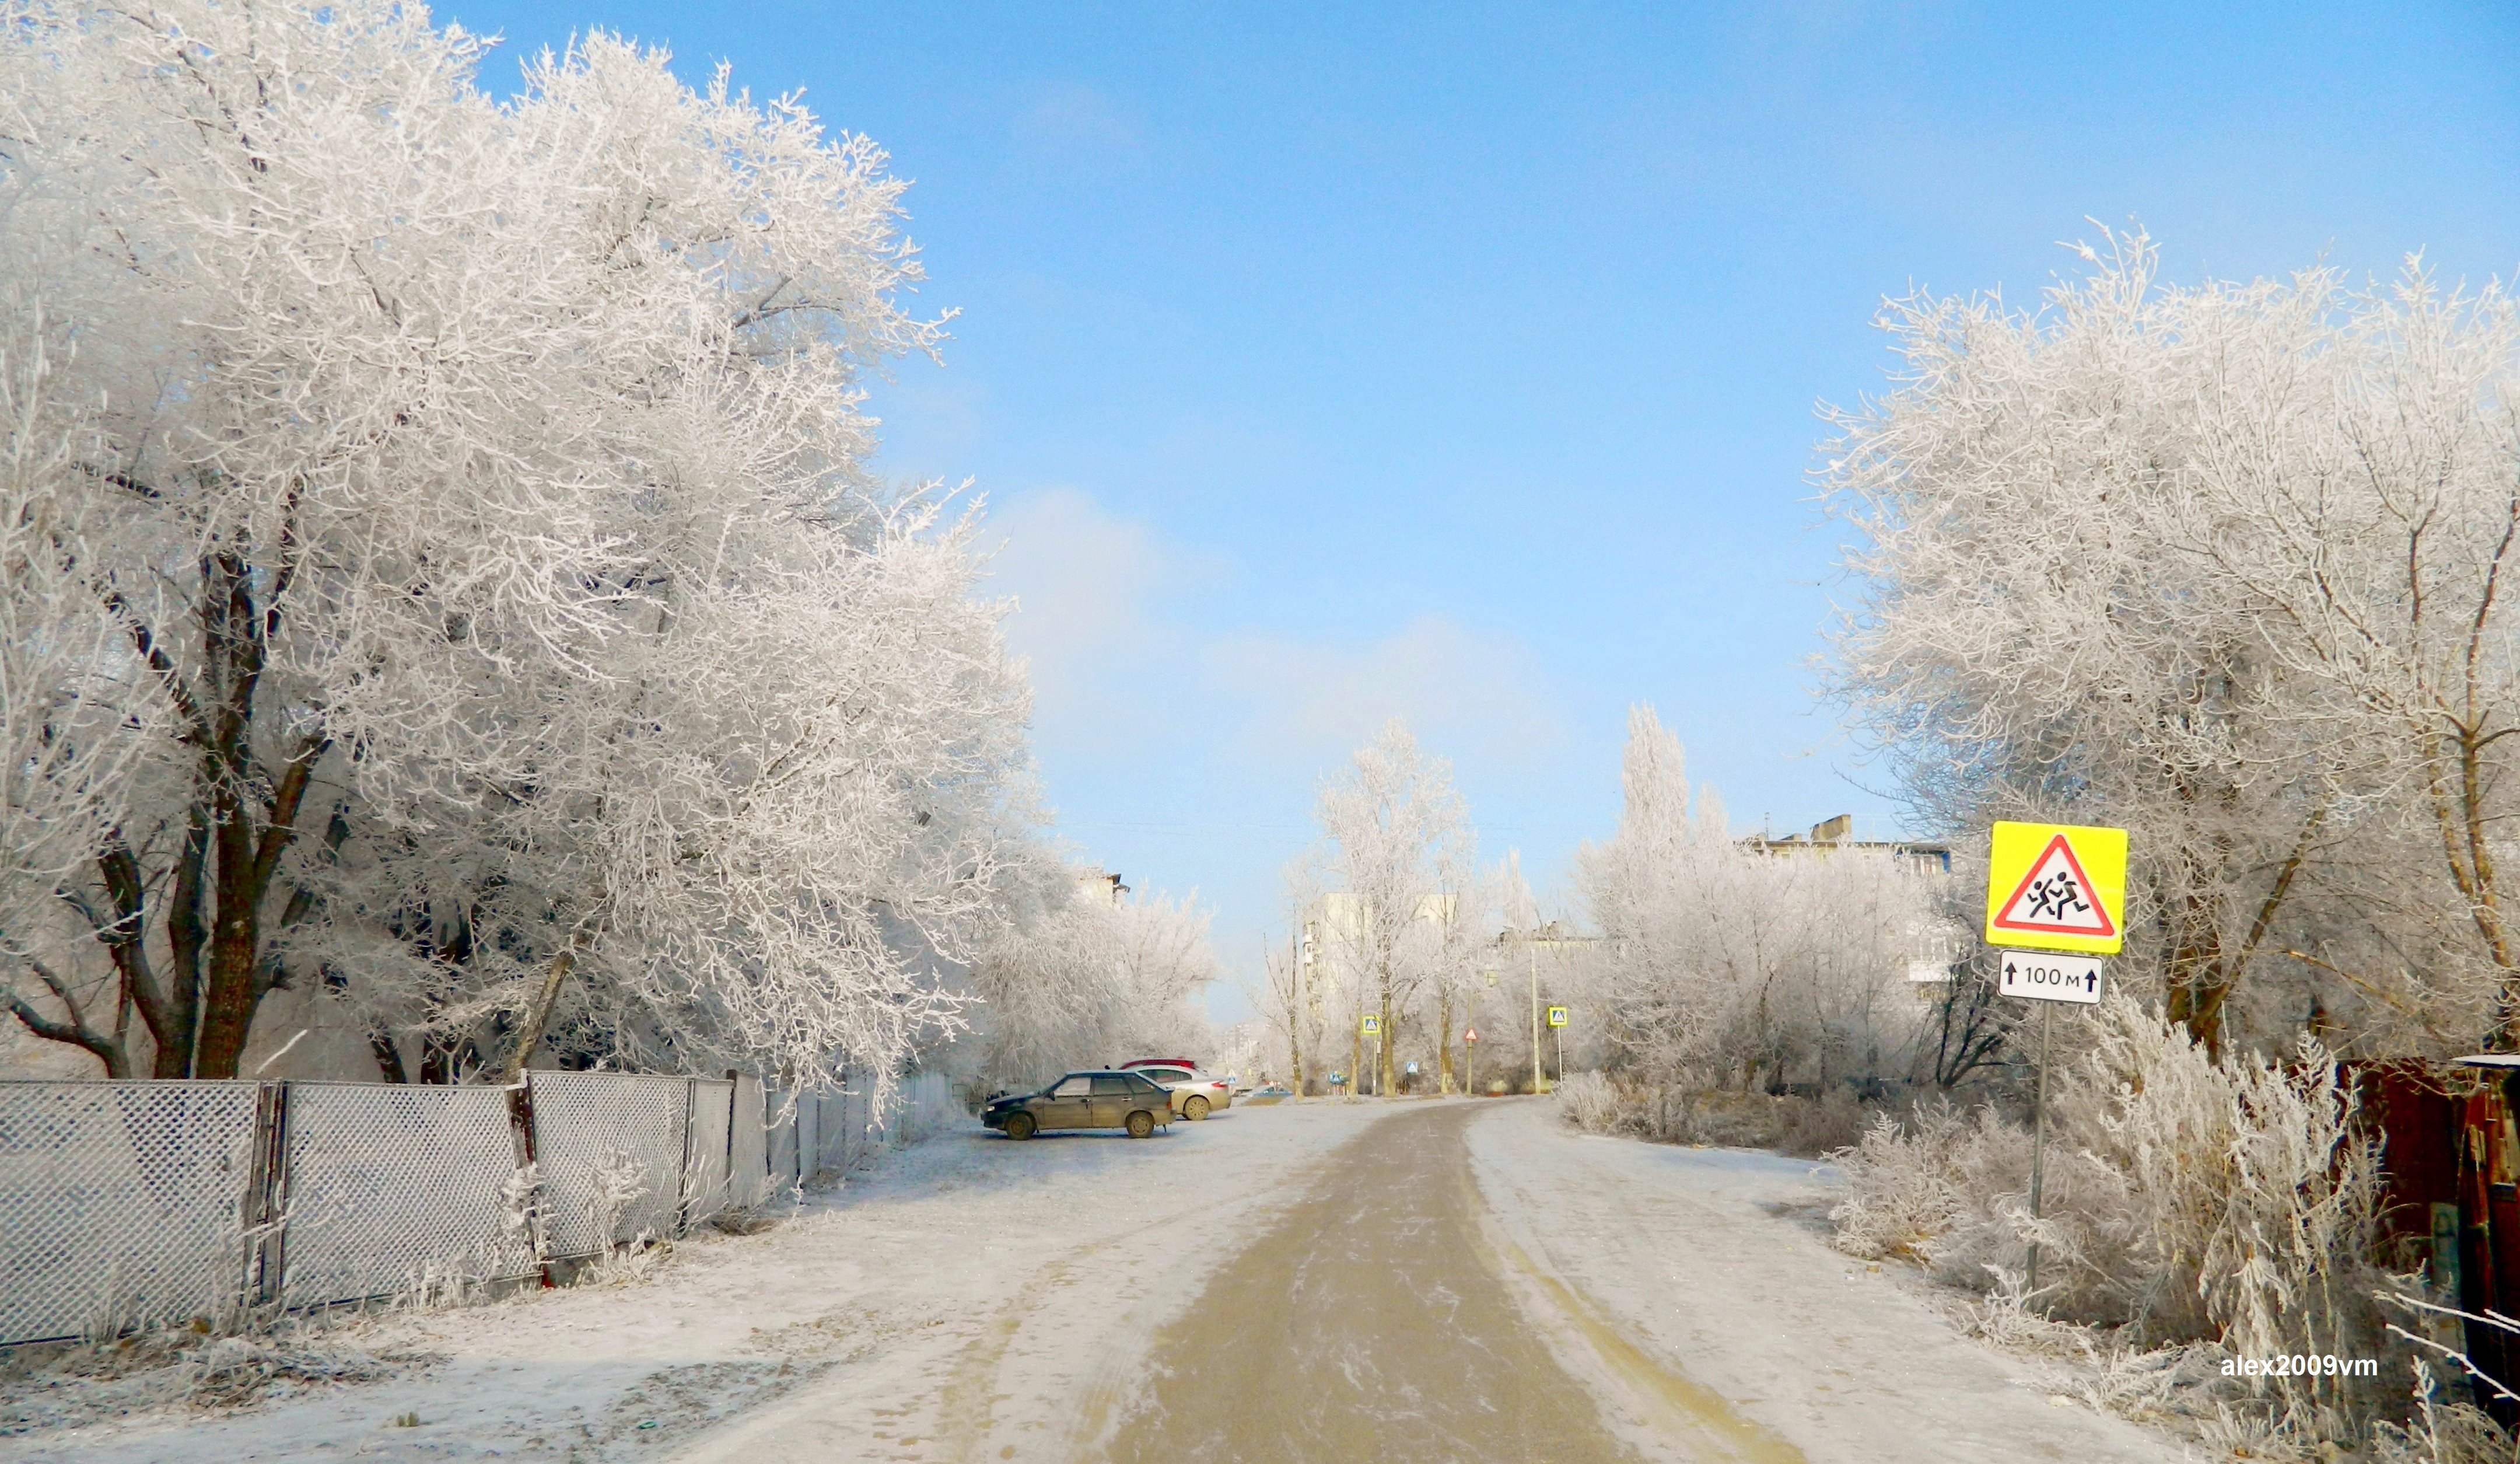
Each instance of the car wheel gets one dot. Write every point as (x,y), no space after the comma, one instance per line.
(1194,1108)
(1140,1123)
(1021,1126)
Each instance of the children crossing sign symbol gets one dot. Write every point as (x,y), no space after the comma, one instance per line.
(2056,886)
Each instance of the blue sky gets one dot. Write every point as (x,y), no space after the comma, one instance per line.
(1459,362)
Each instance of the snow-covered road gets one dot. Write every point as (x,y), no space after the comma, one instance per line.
(977,1299)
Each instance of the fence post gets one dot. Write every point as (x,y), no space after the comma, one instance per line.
(690,1148)
(263,1214)
(747,1143)
(521,1130)
(809,1137)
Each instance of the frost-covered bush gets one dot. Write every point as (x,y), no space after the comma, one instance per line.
(2441,1432)
(1590,1102)
(1665,1113)
(2184,1198)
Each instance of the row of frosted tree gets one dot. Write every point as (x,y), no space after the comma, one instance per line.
(443,574)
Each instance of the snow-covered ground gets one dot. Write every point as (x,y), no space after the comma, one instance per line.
(965,1301)
(1712,1262)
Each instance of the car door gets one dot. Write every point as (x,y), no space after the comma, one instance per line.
(1069,1103)
(1113,1096)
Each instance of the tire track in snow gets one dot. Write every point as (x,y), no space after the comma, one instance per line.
(1377,1320)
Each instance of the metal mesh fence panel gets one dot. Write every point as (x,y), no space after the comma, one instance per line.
(580,1116)
(393,1188)
(704,1175)
(120,1204)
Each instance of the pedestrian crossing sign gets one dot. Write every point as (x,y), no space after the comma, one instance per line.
(1558,1016)
(1370,1026)
(2056,886)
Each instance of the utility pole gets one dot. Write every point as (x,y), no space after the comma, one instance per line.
(1299,955)
(1539,1084)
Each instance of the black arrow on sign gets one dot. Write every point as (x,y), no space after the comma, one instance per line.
(2007,971)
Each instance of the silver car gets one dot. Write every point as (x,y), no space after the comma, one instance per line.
(1195,1094)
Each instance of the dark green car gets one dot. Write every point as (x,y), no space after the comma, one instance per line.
(1084,1100)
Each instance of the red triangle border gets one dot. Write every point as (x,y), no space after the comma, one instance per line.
(2108,928)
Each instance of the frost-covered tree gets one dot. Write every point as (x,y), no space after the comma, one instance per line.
(1084,979)
(1395,852)
(69,735)
(2027,646)
(1722,965)
(506,633)
(2359,482)
(2219,563)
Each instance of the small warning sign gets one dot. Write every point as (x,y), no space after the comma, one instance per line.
(2056,886)
(1472,1035)
(1558,1016)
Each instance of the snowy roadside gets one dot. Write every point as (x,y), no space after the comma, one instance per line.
(945,1287)
(1713,1259)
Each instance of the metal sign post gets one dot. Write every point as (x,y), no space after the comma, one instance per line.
(1471,1057)
(2059,890)
(2039,1142)
(1558,1036)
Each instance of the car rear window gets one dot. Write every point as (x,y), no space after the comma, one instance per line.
(1144,1085)
(1115,1083)
(1165,1075)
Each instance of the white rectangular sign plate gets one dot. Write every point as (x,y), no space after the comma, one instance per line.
(2045,975)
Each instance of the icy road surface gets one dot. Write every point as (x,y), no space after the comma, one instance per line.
(1421,1281)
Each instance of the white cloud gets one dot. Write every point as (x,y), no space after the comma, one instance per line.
(1080,128)
(1117,666)
(1084,580)
(1463,691)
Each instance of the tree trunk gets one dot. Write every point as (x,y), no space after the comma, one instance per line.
(1386,1050)
(529,1035)
(1444,1041)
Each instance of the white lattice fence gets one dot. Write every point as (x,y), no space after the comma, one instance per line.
(577,1117)
(138,1203)
(392,1186)
(120,1204)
